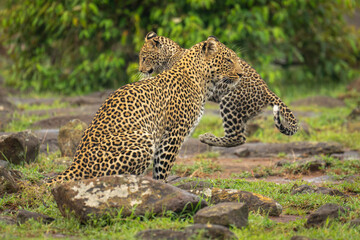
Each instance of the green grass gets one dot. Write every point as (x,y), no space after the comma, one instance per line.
(329,125)
(37,198)
(21,121)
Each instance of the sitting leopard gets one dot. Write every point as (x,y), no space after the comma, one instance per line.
(147,121)
(237,104)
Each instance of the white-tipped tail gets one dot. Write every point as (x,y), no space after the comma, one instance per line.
(275,110)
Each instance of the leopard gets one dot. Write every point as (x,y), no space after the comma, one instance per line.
(238,104)
(146,122)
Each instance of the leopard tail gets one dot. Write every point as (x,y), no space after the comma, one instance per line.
(288,125)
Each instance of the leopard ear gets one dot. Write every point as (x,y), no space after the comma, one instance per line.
(210,46)
(150,35)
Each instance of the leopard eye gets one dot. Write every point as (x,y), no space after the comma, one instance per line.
(143,59)
(229,60)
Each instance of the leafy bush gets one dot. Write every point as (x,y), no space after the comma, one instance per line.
(81,46)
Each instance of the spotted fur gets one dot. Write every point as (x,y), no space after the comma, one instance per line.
(146,122)
(237,104)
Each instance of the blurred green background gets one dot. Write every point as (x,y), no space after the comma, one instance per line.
(80,46)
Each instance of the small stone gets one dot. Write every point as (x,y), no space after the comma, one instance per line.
(330,191)
(24,216)
(225,214)
(19,147)
(303,189)
(308,189)
(157,234)
(329,210)
(69,137)
(210,231)
(133,195)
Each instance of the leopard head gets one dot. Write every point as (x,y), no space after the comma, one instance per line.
(157,54)
(224,64)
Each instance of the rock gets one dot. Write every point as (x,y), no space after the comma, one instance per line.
(157,234)
(320,101)
(329,191)
(254,201)
(323,190)
(7,220)
(69,137)
(131,194)
(302,149)
(8,181)
(329,210)
(19,147)
(197,231)
(355,222)
(303,189)
(24,216)
(210,231)
(224,214)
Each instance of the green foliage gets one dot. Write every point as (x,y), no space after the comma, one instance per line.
(81,46)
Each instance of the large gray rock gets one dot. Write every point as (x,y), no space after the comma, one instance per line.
(255,202)
(303,149)
(129,194)
(329,210)
(69,137)
(19,147)
(225,214)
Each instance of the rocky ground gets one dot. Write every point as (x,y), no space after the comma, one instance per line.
(310,162)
